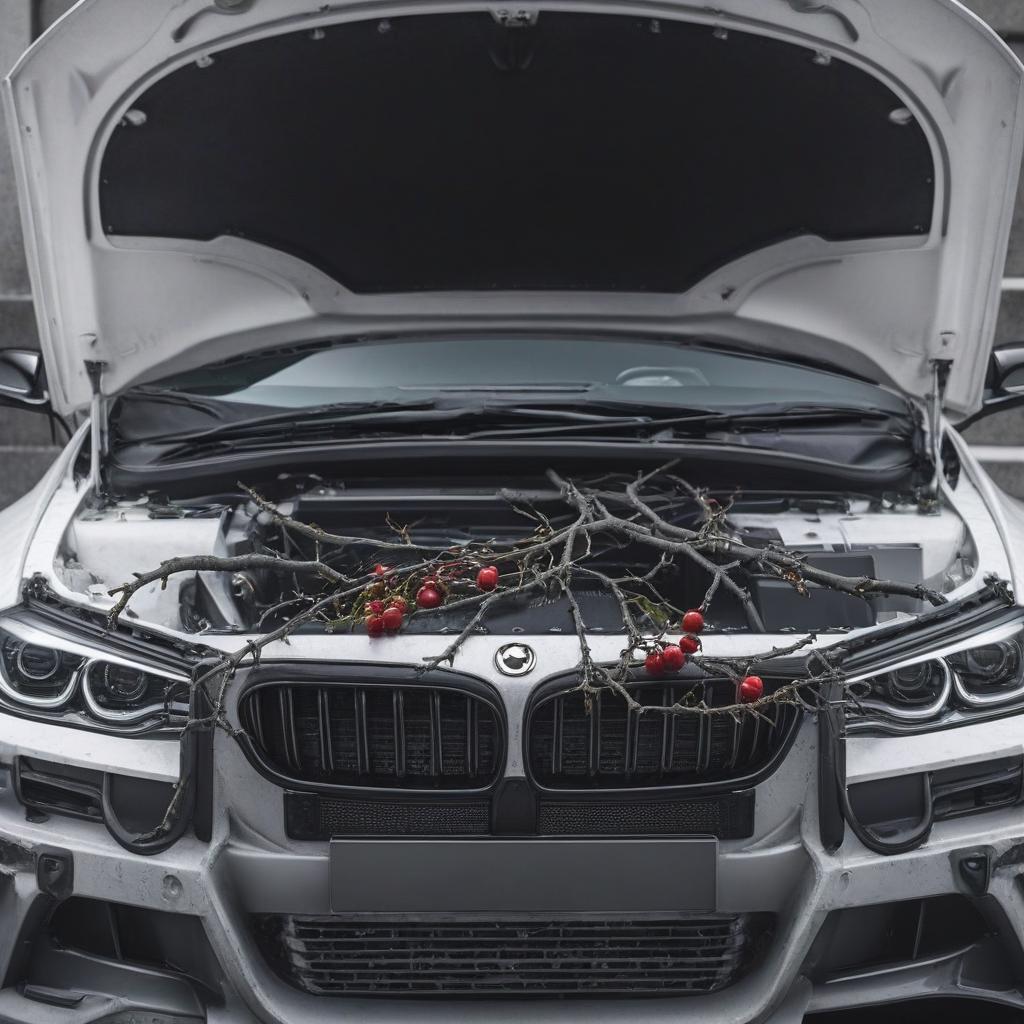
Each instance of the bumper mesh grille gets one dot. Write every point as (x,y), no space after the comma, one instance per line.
(725,817)
(313,816)
(675,956)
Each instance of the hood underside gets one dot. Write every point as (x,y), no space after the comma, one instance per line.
(829,181)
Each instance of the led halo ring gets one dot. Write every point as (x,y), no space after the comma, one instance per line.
(112,715)
(33,701)
(922,713)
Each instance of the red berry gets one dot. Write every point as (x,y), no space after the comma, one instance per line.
(381,570)
(392,619)
(654,663)
(375,625)
(428,597)
(400,603)
(374,607)
(693,621)
(672,658)
(487,577)
(751,689)
(689,644)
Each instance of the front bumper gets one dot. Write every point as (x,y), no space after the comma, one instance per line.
(251,868)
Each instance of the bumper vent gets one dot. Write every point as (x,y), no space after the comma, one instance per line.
(729,816)
(375,735)
(319,816)
(613,747)
(675,956)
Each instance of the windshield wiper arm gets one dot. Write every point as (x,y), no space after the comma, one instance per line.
(555,422)
(386,414)
(340,412)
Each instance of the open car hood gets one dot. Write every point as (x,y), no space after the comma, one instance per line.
(829,180)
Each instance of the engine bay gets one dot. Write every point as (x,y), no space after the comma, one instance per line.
(887,537)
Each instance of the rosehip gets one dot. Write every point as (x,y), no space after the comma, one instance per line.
(400,603)
(374,625)
(672,658)
(392,619)
(428,597)
(693,621)
(654,663)
(374,607)
(751,689)
(689,644)
(487,577)
(381,570)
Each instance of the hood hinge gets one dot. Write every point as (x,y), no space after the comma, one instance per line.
(97,421)
(940,377)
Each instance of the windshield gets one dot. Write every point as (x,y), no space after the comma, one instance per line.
(578,370)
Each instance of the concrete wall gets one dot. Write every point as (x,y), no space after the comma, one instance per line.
(24,437)
(25,440)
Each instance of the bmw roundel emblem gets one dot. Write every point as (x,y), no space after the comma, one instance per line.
(515,659)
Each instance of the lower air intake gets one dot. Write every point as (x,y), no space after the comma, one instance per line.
(671,956)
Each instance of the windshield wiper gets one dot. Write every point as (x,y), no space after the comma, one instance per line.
(692,424)
(290,427)
(388,423)
(339,412)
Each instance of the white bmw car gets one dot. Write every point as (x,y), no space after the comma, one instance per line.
(384,271)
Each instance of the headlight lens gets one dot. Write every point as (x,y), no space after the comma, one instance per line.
(978,675)
(990,675)
(914,687)
(60,676)
(33,674)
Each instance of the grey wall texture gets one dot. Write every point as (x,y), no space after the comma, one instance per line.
(26,447)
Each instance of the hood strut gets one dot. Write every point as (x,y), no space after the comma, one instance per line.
(97,422)
(940,376)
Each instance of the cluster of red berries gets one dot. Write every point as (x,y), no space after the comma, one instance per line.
(672,657)
(386,614)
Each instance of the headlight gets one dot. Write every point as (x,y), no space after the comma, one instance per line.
(35,674)
(60,676)
(991,675)
(965,681)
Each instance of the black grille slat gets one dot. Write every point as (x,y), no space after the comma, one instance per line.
(392,736)
(559,739)
(703,743)
(668,731)
(737,739)
(436,755)
(631,741)
(324,731)
(362,740)
(472,750)
(682,956)
(286,709)
(594,736)
(398,710)
(615,745)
